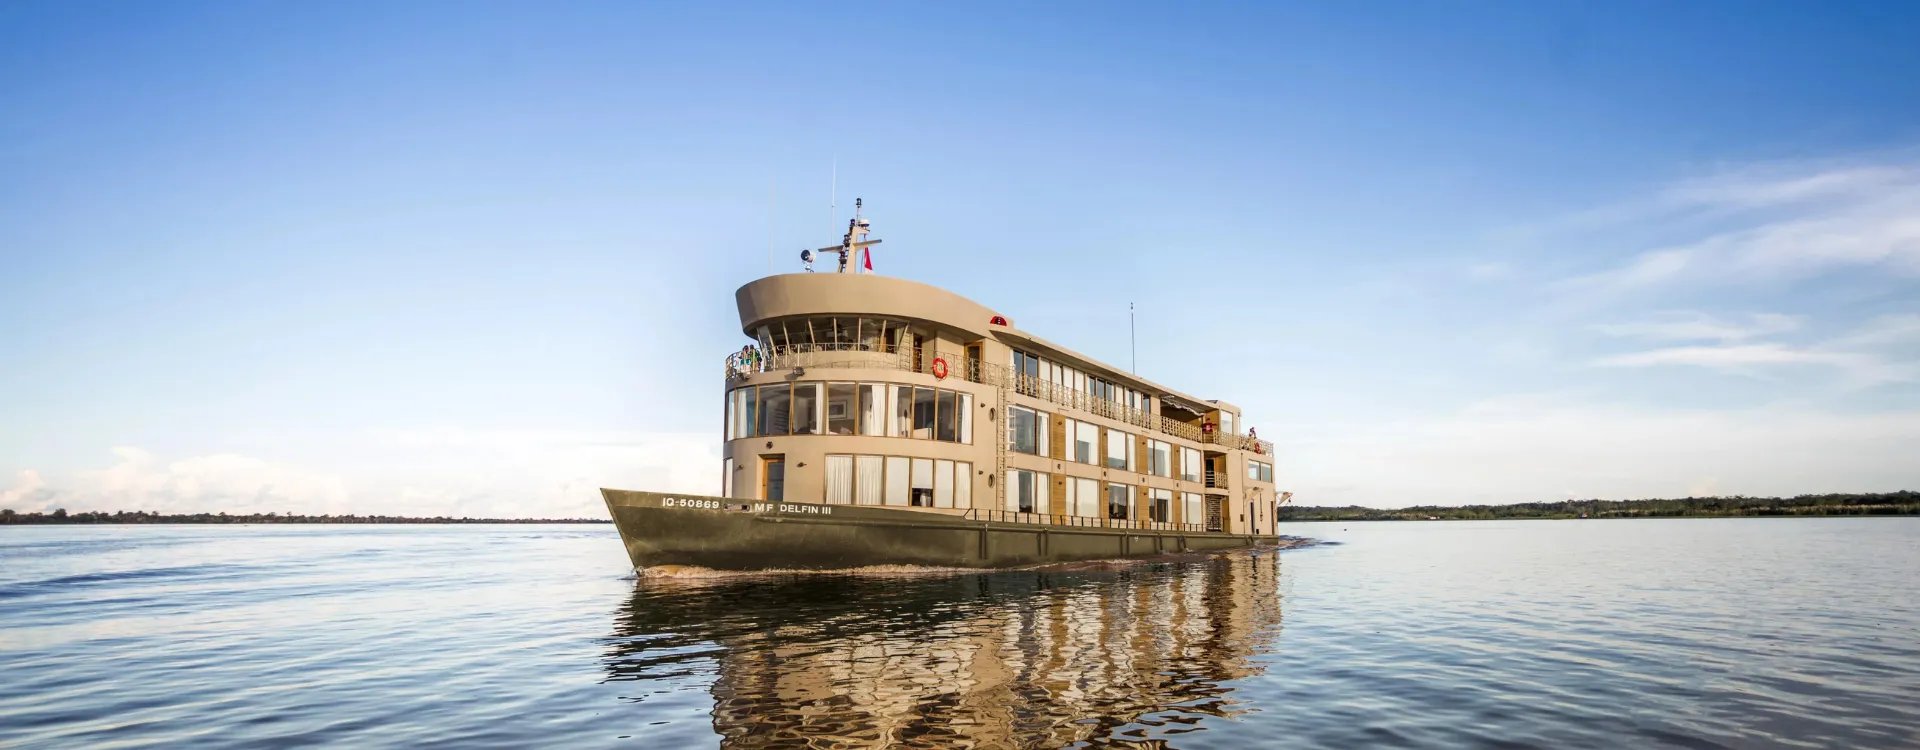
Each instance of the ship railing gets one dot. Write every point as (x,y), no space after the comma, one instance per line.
(885,356)
(1083,522)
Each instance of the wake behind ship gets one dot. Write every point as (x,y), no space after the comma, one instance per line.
(880,421)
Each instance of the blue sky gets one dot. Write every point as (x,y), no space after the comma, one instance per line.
(478,258)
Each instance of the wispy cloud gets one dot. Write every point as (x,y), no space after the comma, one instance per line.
(1688,325)
(1774,224)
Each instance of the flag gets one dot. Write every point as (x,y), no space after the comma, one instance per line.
(866,257)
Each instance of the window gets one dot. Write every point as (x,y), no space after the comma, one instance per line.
(1266,472)
(774,400)
(867,488)
(1259,471)
(842,419)
(1226,423)
(1119,501)
(1026,430)
(1159,505)
(966,418)
(902,399)
(947,426)
(1190,507)
(962,484)
(1083,497)
(806,409)
(873,401)
(897,469)
(1119,450)
(1026,491)
(922,487)
(839,480)
(1159,458)
(1083,439)
(923,400)
(726,478)
(773,478)
(942,483)
(1190,464)
(1026,369)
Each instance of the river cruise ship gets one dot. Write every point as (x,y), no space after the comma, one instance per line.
(881,421)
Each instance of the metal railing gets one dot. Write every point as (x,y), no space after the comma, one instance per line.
(883,356)
(1084,522)
(1216,479)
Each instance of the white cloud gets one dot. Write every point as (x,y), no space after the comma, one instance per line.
(1779,224)
(1698,326)
(1860,356)
(450,472)
(1540,448)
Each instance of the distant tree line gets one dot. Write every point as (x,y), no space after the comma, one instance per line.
(61,516)
(1905,502)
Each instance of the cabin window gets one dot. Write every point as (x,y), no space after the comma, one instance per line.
(774,403)
(842,418)
(1119,450)
(1083,497)
(922,494)
(806,409)
(1190,464)
(966,418)
(1026,491)
(897,470)
(923,413)
(1190,507)
(839,480)
(947,425)
(1023,431)
(942,483)
(902,412)
(1119,501)
(1159,458)
(867,474)
(873,400)
(1159,505)
(726,478)
(962,484)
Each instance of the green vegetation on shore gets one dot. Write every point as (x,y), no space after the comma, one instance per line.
(1905,502)
(61,516)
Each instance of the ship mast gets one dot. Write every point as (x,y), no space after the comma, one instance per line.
(852,242)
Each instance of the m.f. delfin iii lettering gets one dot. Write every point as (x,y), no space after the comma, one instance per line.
(880,421)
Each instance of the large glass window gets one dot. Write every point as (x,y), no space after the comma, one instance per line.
(1026,430)
(1190,507)
(1190,464)
(1159,458)
(1026,491)
(839,480)
(902,412)
(966,418)
(1119,501)
(962,484)
(1159,505)
(923,413)
(774,403)
(873,401)
(867,488)
(1083,497)
(1119,450)
(947,425)
(842,418)
(897,476)
(922,495)
(942,483)
(1086,440)
(806,408)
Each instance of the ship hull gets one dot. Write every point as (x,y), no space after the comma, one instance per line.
(662,529)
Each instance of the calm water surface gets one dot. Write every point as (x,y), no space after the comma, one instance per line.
(1681,633)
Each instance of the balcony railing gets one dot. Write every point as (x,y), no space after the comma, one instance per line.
(1084,522)
(888,357)
(1216,480)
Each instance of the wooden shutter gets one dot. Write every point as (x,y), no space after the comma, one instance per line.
(1057,429)
(1057,500)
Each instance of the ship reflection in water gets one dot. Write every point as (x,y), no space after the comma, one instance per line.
(1140,653)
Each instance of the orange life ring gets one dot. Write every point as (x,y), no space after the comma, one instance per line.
(939,368)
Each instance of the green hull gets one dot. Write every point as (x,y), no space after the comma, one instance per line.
(731,534)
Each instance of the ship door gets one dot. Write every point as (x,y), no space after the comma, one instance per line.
(773,478)
(1215,511)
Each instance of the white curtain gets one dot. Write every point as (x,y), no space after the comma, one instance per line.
(942,483)
(1012,488)
(840,480)
(966,418)
(962,484)
(1046,433)
(923,475)
(868,487)
(873,405)
(896,480)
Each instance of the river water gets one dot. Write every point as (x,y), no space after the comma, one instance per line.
(1619,633)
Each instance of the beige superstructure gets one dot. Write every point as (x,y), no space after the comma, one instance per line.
(862,389)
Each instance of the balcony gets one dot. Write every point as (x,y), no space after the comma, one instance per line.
(1084,522)
(1216,480)
(887,357)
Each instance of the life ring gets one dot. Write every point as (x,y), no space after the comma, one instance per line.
(939,368)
